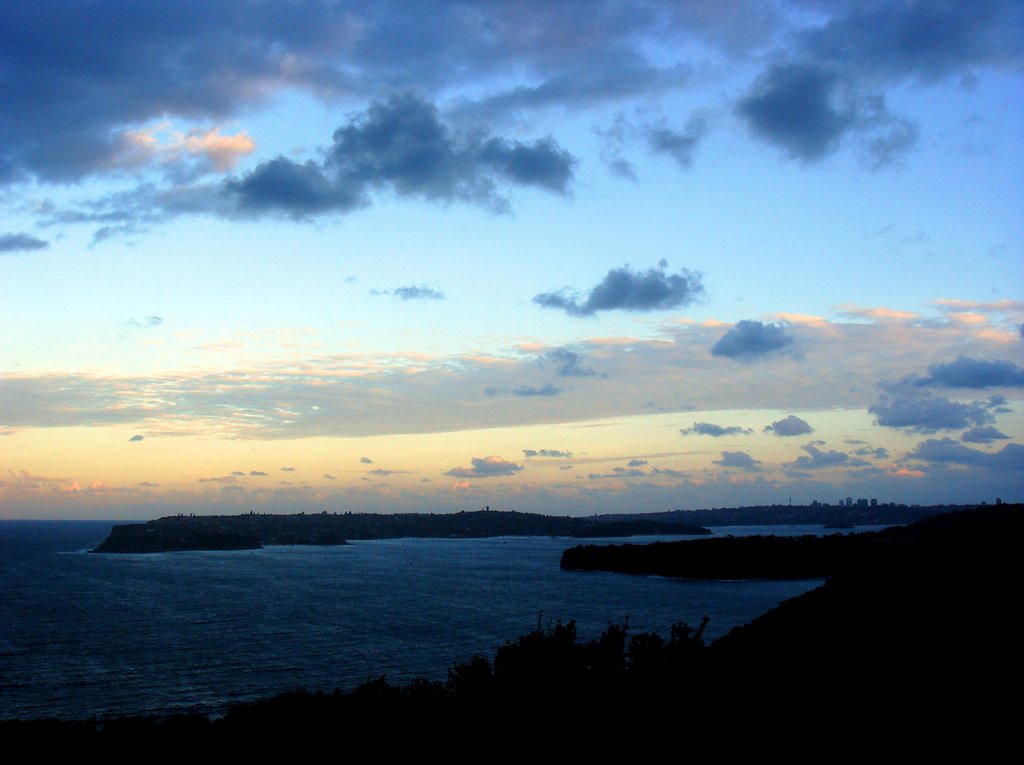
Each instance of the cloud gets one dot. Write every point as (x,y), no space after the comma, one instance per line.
(21,243)
(486,467)
(923,412)
(257,473)
(740,460)
(546,453)
(401,146)
(618,472)
(750,340)
(136,437)
(972,373)
(288,470)
(789,426)
(923,40)
(363,394)
(946,450)
(530,390)
(366,460)
(636,463)
(679,145)
(329,477)
(567,363)
(627,290)
(806,108)
(817,459)
(800,108)
(710,429)
(879,453)
(226,479)
(669,472)
(412,292)
(161,144)
(983,434)
(206,67)
(147,322)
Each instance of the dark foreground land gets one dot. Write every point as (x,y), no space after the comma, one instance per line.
(252,531)
(912,643)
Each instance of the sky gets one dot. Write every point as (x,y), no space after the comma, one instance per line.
(573,258)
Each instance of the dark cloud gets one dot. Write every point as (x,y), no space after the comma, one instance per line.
(740,460)
(800,108)
(946,450)
(923,40)
(807,108)
(530,390)
(330,477)
(546,453)
(288,469)
(636,463)
(257,473)
(710,429)
(750,340)
(237,472)
(147,484)
(486,467)
(808,104)
(679,145)
(412,292)
(669,472)
(567,363)
(983,434)
(627,290)
(401,146)
(878,453)
(972,373)
(21,243)
(79,76)
(382,471)
(136,437)
(366,460)
(922,412)
(789,426)
(816,459)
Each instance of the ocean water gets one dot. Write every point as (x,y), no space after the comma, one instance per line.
(83,634)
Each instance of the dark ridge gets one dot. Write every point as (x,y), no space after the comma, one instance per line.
(251,530)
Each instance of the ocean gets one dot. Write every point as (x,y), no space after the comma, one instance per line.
(85,635)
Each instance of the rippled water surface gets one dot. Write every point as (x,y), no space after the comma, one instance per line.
(84,634)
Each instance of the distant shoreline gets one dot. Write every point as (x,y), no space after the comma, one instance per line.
(253,531)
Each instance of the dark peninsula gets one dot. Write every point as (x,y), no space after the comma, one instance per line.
(803,557)
(253,531)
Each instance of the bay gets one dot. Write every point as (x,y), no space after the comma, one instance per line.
(83,634)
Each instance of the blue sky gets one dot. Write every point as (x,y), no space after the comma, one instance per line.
(572,257)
